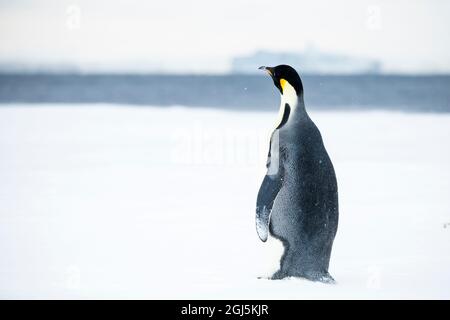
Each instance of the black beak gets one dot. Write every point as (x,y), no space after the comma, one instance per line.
(269,70)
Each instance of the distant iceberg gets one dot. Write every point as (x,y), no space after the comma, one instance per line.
(308,61)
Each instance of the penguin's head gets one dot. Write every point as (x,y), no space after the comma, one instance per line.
(285,78)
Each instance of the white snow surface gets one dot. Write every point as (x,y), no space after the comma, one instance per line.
(102,201)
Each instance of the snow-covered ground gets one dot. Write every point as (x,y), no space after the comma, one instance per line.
(133,202)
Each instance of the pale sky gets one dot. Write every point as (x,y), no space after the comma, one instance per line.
(202,35)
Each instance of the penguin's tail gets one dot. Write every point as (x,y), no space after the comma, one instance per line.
(323,277)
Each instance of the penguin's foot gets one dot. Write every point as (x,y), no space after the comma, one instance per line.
(315,276)
(279,275)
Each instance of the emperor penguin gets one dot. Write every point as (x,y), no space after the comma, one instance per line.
(297,202)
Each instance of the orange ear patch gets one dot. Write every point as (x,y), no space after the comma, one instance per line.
(283,83)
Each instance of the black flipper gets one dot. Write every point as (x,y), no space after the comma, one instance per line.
(266,196)
(269,189)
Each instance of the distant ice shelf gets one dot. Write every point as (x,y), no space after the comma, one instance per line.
(309,61)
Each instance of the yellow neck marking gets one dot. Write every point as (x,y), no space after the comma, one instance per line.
(288,96)
(283,83)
